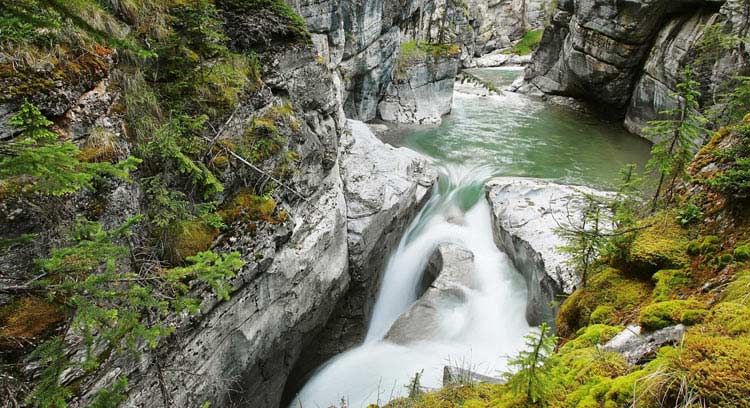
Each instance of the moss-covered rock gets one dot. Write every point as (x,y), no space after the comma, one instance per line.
(662,244)
(668,282)
(729,318)
(25,319)
(662,314)
(593,335)
(609,293)
(189,238)
(718,369)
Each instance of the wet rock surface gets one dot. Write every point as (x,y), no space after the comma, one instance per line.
(525,214)
(451,267)
(384,188)
(637,346)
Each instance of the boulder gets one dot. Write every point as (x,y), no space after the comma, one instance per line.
(452,268)
(637,347)
(525,214)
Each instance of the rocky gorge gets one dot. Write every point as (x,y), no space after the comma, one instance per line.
(356,255)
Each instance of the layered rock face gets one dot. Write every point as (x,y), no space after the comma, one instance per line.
(384,188)
(360,42)
(628,55)
(498,24)
(525,214)
(424,94)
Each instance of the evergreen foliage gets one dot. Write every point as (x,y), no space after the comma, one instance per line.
(532,367)
(676,139)
(35,162)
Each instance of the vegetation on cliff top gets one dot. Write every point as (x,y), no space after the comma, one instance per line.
(121,281)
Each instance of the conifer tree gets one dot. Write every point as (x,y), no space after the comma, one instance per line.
(676,139)
(532,366)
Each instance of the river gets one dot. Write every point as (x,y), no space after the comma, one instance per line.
(508,135)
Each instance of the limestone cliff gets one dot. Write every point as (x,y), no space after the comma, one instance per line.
(627,56)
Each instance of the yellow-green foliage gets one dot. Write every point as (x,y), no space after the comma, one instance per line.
(26,318)
(662,314)
(707,245)
(729,318)
(528,43)
(448,397)
(247,207)
(742,253)
(100,146)
(608,288)
(592,335)
(263,137)
(668,281)
(216,88)
(718,368)
(189,238)
(661,245)
(738,291)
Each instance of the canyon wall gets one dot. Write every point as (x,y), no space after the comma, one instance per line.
(626,57)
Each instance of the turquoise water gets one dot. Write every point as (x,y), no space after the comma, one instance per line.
(515,135)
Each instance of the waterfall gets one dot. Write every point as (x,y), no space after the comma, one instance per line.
(478,334)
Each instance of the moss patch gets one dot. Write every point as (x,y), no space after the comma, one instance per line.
(189,238)
(528,43)
(669,282)
(662,244)
(25,319)
(609,289)
(662,314)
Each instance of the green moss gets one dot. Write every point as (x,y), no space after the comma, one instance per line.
(662,244)
(662,314)
(189,238)
(249,208)
(723,260)
(718,368)
(729,318)
(528,43)
(24,319)
(738,291)
(602,314)
(668,281)
(742,253)
(609,287)
(593,335)
(708,245)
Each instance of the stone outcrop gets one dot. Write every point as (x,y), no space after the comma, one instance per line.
(360,41)
(637,346)
(498,24)
(525,214)
(451,270)
(627,56)
(384,188)
(422,93)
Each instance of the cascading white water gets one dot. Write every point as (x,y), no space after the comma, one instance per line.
(480,333)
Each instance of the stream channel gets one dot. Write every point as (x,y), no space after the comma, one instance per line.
(484,136)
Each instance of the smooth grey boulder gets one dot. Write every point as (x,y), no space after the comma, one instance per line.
(456,375)
(452,268)
(636,346)
(424,94)
(525,214)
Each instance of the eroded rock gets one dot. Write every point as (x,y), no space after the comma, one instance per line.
(525,214)
(637,346)
(452,268)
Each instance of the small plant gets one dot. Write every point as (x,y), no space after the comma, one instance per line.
(532,367)
(689,214)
